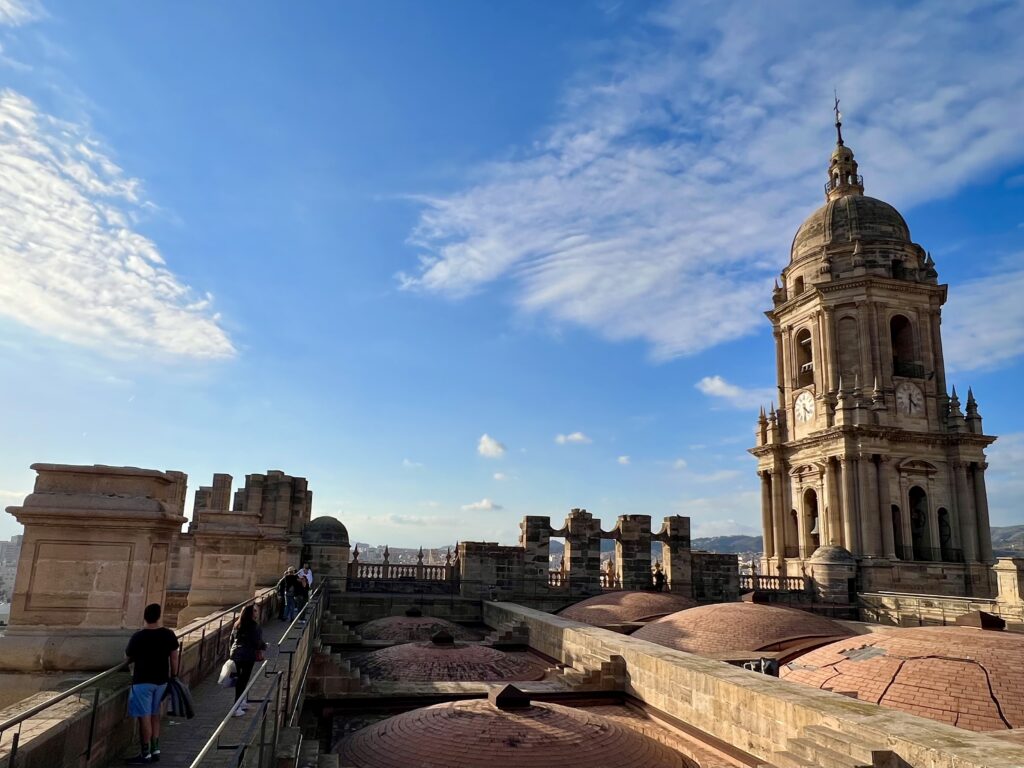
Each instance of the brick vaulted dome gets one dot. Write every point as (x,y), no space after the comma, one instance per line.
(725,627)
(477,734)
(966,677)
(621,607)
(434,662)
(407,629)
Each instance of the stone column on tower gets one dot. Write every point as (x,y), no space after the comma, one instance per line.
(871,534)
(766,513)
(885,508)
(848,468)
(968,520)
(981,502)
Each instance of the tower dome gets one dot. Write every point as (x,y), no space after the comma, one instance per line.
(442,659)
(847,220)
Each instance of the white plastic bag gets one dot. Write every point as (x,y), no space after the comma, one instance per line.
(228,673)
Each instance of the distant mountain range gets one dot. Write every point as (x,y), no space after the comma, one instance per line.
(1007,540)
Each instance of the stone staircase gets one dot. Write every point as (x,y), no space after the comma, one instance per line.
(334,631)
(604,675)
(510,635)
(822,747)
(329,674)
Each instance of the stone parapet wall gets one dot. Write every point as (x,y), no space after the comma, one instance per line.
(903,610)
(753,712)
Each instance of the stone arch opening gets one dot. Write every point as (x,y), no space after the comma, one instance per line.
(798,286)
(904,357)
(919,523)
(804,358)
(945,536)
(812,521)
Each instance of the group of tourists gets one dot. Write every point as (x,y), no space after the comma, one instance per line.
(154,654)
(294,590)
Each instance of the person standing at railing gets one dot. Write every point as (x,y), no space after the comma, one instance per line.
(286,588)
(247,648)
(153,652)
(301,593)
(306,573)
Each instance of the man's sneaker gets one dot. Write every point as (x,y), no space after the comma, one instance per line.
(140,759)
(155,756)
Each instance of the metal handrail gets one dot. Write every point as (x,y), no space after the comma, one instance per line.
(17,719)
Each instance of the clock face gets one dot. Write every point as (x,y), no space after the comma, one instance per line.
(909,399)
(804,407)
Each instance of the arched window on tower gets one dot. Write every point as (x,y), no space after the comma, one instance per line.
(904,356)
(811,512)
(919,524)
(949,555)
(804,358)
(798,286)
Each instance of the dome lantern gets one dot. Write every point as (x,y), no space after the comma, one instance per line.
(843,179)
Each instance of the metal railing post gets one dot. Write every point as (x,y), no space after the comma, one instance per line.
(92,723)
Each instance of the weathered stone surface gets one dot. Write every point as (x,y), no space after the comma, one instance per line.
(623,607)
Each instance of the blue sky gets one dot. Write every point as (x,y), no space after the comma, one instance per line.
(461,262)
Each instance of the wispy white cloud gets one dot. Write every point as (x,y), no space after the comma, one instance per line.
(573,437)
(679,464)
(410,464)
(74,266)
(1005,479)
(418,520)
(732,395)
(983,322)
(500,476)
(623,460)
(661,201)
(14,13)
(14,495)
(489,447)
(484,505)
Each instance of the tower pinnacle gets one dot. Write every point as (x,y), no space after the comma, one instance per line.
(839,121)
(843,179)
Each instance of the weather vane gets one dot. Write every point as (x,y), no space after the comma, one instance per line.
(839,118)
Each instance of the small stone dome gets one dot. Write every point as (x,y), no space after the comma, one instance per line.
(621,607)
(407,629)
(847,220)
(708,630)
(479,734)
(970,678)
(325,530)
(833,554)
(446,661)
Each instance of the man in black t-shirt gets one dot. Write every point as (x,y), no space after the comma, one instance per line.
(153,652)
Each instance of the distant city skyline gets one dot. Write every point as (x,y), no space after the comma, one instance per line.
(457,264)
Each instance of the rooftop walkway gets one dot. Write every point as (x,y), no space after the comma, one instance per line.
(181,740)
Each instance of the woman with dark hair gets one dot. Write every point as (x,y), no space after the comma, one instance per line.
(247,648)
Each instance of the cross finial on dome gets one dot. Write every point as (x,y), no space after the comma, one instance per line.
(839,119)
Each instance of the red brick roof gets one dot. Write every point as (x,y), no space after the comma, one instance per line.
(970,678)
(406,629)
(476,734)
(428,662)
(723,627)
(620,607)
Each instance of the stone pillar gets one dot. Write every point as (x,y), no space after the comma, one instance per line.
(676,556)
(981,505)
(885,508)
(965,509)
(1010,579)
(283,505)
(224,569)
(766,513)
(95,554)
(583,552)
(835,527)
(778,518)
(848,467)
(535,539)
(871,535)
(633,551)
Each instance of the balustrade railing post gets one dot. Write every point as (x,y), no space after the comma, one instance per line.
(202,648)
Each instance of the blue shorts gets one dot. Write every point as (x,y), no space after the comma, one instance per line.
(145,699)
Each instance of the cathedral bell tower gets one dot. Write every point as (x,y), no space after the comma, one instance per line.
(866,451)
